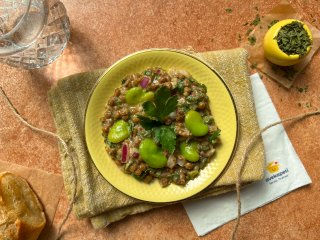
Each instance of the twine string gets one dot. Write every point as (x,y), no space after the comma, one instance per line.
(245,155)
(66,148)
(75,180)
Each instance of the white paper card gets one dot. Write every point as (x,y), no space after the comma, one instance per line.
(284,172)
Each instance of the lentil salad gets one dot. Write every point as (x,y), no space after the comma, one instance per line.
(158,124)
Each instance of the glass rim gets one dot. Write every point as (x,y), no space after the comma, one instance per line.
(16,27)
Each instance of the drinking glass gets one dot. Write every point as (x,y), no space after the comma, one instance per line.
(33,33)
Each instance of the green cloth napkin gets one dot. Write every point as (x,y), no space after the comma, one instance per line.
(95,197)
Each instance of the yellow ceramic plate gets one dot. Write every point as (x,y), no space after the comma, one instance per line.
(221,104)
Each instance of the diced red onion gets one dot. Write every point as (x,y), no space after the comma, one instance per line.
(124,157)
(144,82)
(158,71)
(135,155)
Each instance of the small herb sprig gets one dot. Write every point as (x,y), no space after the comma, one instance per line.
(156,111)
(163,104)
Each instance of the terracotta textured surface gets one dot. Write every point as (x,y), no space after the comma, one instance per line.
(103,31)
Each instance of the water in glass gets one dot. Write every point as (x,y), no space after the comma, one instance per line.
(33,33)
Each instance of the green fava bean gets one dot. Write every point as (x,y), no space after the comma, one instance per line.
(137,95)
(190,151)
(152,154)
(195,124)
(133,95)
(119,131)
(148,96)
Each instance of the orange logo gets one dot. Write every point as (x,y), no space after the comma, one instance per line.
(273,167)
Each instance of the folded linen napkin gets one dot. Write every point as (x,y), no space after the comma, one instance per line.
(95,197)
(284,172)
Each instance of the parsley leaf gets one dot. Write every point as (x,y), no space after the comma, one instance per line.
(170,106)
(148,123)
(163,104)
(161,96)
(166,136)
(150,109)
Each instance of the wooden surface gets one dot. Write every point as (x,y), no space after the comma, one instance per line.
(102,32)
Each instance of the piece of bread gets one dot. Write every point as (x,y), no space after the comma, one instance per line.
(21,214)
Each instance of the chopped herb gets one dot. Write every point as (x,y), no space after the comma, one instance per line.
(302,89)
(148,72)
(193,81)
(110,144)
(131,125)
(273,22)
(252,40)
(166,136)
(239,38)
(123,81)
(256,8)
(245,24)
(208,119)
(293,39)
(141,176)
(249,31)
(299,89)
(228,10)
(204,87)
(185,107)
(175,176)
(256,21)
(180,85)
(192,99)
(212,138)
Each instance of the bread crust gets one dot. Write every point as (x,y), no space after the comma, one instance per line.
(21,213)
